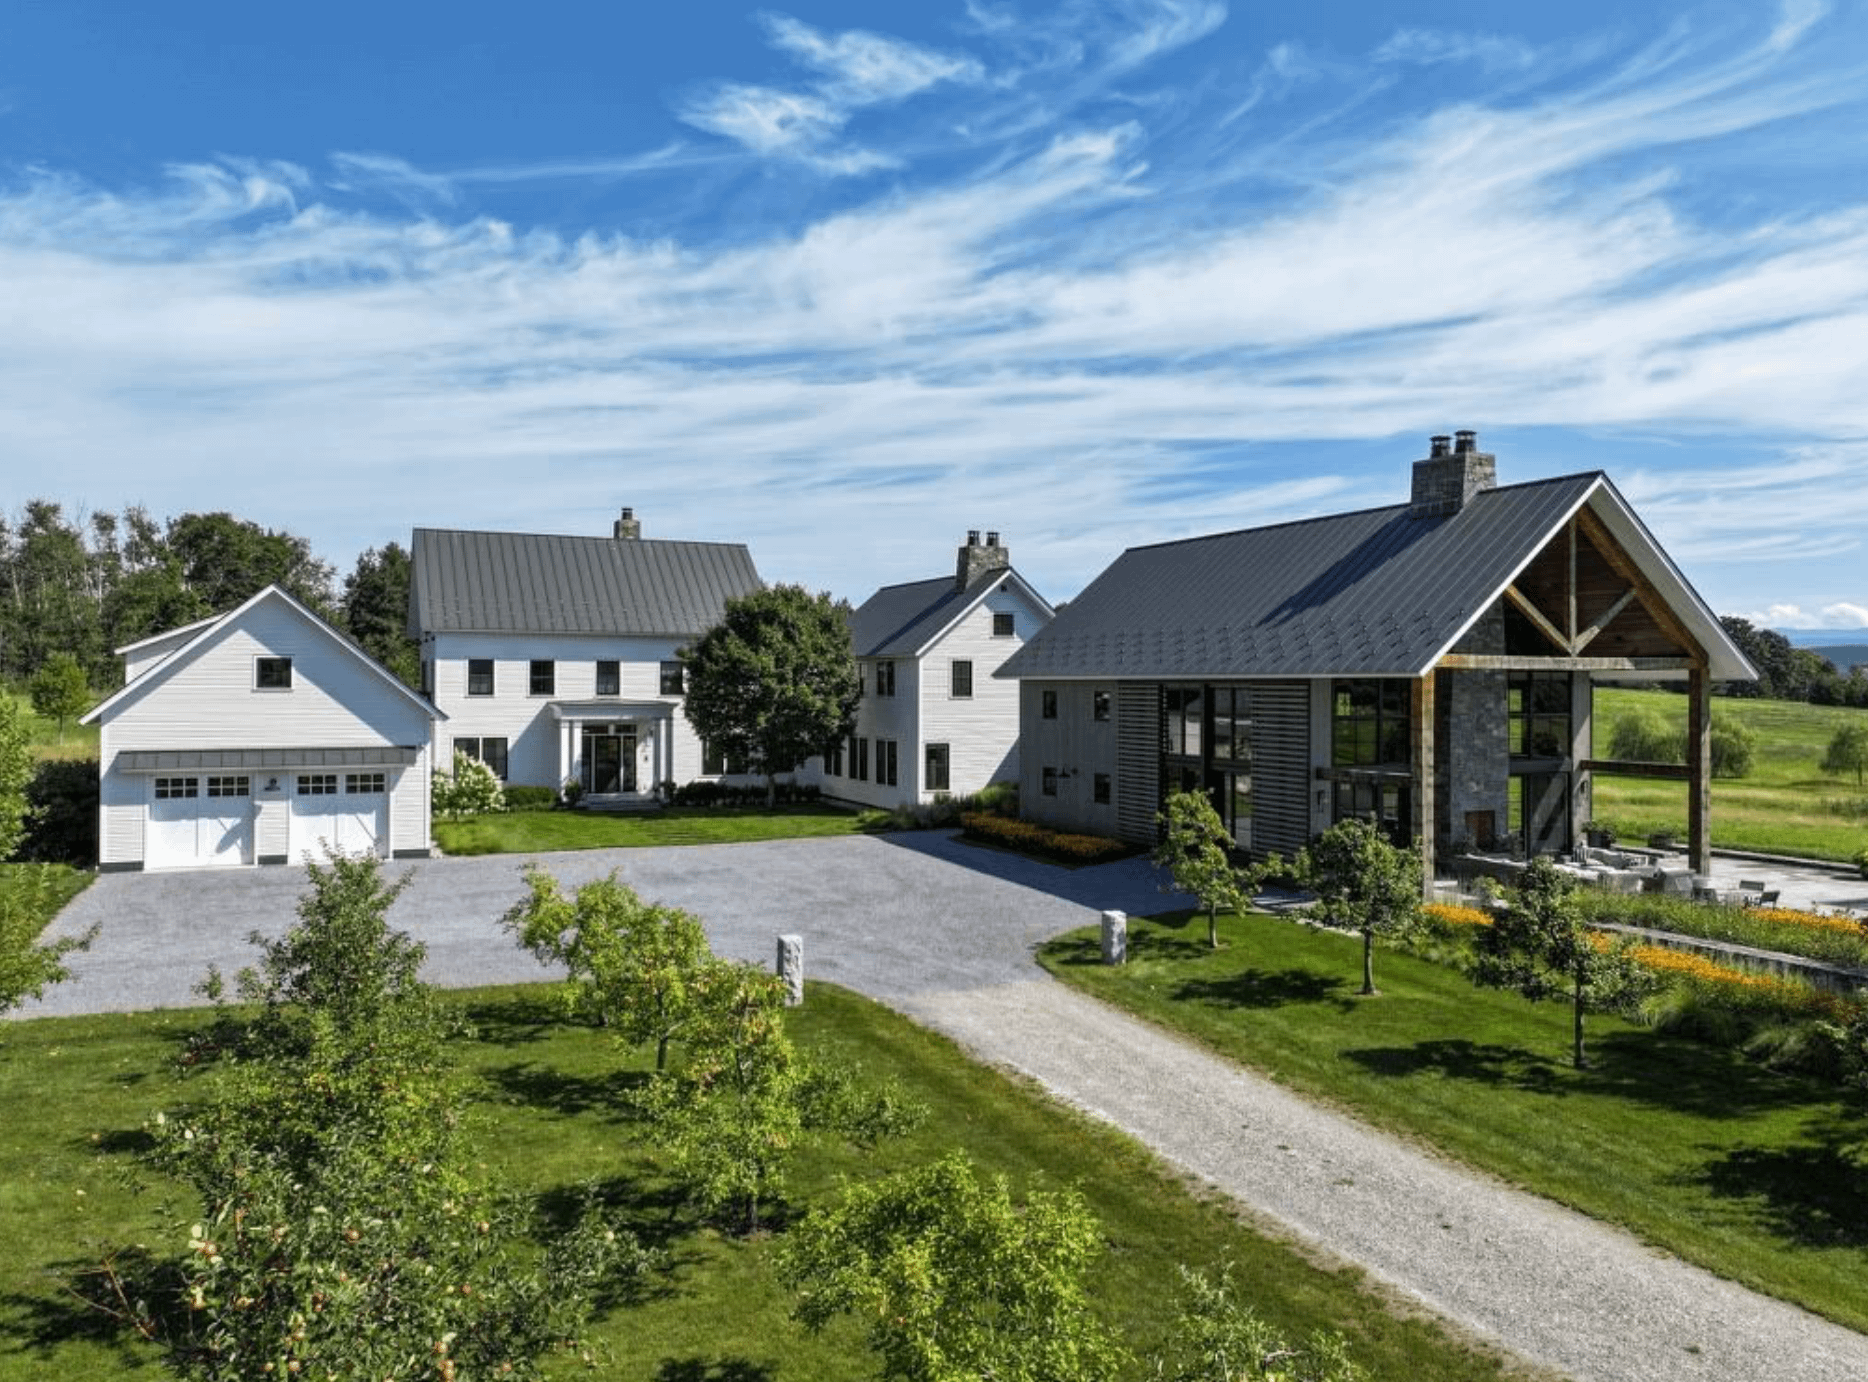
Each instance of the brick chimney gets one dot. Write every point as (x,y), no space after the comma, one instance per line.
(1454,471)
(977,558)
(628,528)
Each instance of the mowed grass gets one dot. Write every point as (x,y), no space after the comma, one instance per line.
(77,1092)
(1758,1177)
(531,832)
(1787,805)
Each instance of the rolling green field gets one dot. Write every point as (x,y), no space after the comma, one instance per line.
(1787,805)
(550,1116)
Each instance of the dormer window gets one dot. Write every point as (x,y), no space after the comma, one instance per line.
(272,673)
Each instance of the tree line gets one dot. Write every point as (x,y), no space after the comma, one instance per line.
(83,585)
(1788,673)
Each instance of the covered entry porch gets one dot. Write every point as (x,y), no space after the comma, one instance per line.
(617,750)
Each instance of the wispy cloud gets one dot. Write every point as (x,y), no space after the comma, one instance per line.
(1430,47)
(1093,330)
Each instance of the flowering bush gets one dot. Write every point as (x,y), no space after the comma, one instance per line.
(471,790)
(1027,838)
(1451,918)
(1764,993)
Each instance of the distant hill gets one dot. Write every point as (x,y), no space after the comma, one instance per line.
(1843,655)
(1818,639)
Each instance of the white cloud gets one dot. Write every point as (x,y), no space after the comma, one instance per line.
(864,68)
(1430,47)
(765,120)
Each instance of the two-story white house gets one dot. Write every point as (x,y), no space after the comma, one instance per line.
(554,659)
(934,720)
(257,737)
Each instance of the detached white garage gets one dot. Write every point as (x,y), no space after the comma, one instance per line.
(257,738)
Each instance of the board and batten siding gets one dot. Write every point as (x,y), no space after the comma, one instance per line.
(337,700)
(1281,766)
(534,747)
(1075,746)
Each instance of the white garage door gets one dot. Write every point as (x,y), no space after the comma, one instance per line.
(345,812)
(199,822)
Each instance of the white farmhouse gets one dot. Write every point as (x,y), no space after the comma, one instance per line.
(554,658)
(934,720)
(258,736)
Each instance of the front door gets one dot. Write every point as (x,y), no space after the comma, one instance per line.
(610,761)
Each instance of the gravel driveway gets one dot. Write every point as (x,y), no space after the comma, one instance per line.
(945,932)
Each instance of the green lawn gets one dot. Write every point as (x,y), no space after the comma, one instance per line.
(533,832)
(1760,1178)
(549,1119)
(1786,806)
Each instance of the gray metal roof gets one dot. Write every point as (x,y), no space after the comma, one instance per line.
(232,760)
(1372,593)
(898,619)
(467,582)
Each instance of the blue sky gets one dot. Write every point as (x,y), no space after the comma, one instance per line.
(843,281)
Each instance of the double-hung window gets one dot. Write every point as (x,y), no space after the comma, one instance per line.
(609,678)
(936,778)
(961,683)
(479,676)
(674,679)
(885,677)
(544,680)
(885,762)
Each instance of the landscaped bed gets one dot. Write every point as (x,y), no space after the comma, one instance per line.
(534,832)
(1837,940)
(550,1118)
(1757,1176)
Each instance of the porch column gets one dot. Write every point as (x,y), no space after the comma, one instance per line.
(1699,767)
(1425,806)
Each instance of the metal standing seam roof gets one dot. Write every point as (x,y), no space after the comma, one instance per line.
(1371,593)
(473,582)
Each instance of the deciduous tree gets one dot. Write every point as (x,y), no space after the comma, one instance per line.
(955,1279)
(59,691)
(1540,945)
(375,610)
(1196,852)
(1848,750)
(1361,881)
(774,681)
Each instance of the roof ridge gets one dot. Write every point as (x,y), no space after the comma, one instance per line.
(582,537)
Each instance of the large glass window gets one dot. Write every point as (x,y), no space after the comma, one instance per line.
(1538,708)
(490,750)
(1369,723)
(1232,724)
(885,762)
(1186,721)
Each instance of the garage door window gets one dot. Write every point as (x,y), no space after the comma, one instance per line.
(317,784)
(229,786)
(176,788)
(363,782)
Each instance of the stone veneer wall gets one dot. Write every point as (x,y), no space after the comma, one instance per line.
(1472,758)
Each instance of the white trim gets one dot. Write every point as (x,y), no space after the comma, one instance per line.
(986,588)
(159,637)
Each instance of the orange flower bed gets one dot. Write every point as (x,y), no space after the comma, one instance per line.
(1035,839)
(1814,921)
(1450,914)
(1782,993)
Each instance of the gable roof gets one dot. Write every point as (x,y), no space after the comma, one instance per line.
(1378,592)
(471,582)
(904,620)
(206,629)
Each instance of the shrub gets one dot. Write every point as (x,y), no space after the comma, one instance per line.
(1733,745)
(1642,736)
(1027,838)
(1861,861)
(470,790)
(524,798)
(63,799)
(30,895)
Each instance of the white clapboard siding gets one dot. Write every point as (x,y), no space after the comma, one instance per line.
(981,731)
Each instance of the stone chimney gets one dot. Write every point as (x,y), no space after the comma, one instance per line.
(628,527)
(1454,471)
(976,559)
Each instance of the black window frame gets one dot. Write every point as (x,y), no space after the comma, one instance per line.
(176,788)
(1101,789)
(859,758)
(885,677)
(609,678)
(1047,704)
(1102,704)
(315,785)
(272,672)
(1004,624)
(228,785)
(480,676)
(833,760)
(494,750)
(888,762)
(542,677)
(1370,719)
(1047,782)
(674,678)
(365,784)
(1539,715)
(937,769)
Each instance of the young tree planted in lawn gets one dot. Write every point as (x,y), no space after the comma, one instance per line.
(1196,852)
(774,681)
(1848,750)
(343,1228)
(956,1280)
(634,964)
(1219,1338)
(29,894)
(1540,945)
(59,691)
(1361,881)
